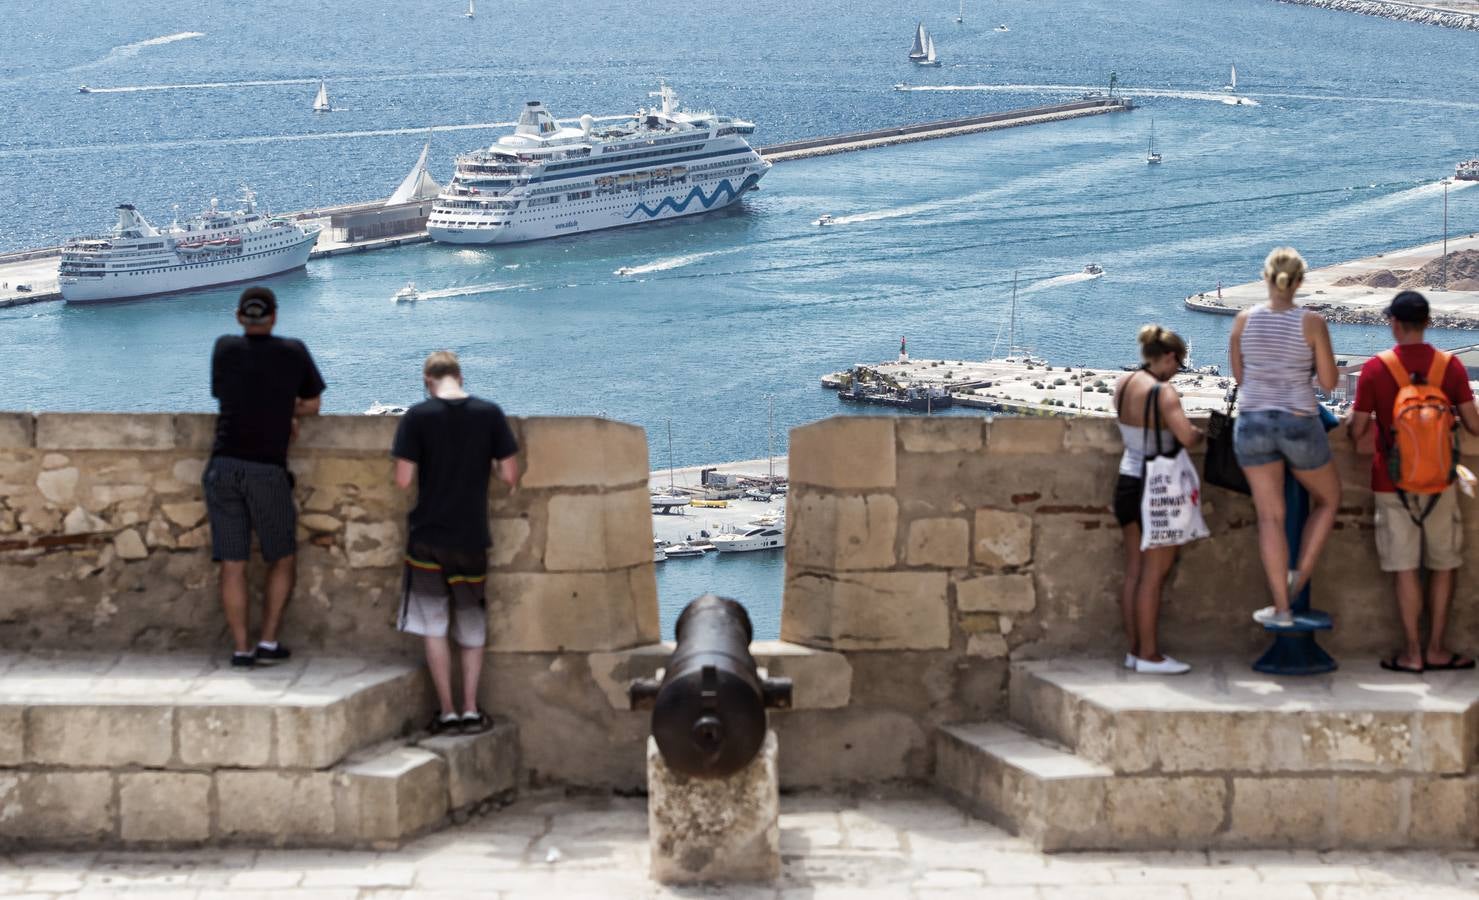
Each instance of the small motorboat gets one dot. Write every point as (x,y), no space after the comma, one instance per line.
(824,220)
(901,86)
(1002,28)
(385,409)
(84,89)
(758,495)
(659,554)
(682,550)
(1093,269)
(407,294)
(669,503)
(625,270)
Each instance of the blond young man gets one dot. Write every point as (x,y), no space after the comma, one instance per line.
(449,446)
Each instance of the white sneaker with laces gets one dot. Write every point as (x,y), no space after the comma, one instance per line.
(1166,666)
(1270,616)
(1130,660)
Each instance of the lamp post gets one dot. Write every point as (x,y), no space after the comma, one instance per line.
(1445,234)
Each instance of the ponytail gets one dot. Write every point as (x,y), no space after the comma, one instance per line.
(1156,341)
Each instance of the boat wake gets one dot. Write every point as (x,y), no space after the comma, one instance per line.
(135,88)
(126,51)
(468,290)
(1048,284)
(672,262)
(1080,89)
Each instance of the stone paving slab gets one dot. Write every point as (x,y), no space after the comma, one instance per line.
(554,846)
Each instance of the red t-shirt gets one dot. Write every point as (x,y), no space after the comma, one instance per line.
(1376,392)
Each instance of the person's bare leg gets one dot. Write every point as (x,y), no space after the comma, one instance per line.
(439,662)
(1324,487)
(1440,595)
(472,669)
(1148,601)
(234,602)
(1267,482)
(1409,587)
(1133,559)
(280,577)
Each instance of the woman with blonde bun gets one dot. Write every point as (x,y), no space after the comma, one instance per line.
(1136,398)
(1277,352)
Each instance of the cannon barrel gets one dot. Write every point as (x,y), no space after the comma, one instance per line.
(708,709)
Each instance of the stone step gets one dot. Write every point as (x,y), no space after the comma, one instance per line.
(1222,717)
(1061,801)
(378,797)
(195,713)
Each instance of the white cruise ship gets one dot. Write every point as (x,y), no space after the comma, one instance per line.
(215,247)
(545,180)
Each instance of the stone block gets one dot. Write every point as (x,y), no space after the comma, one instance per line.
(996,593)
(17,431)
(1369,812)
(1161,813)
(595,532)
(1028,435)
(129,546)
(105,431)
(1281,812)
(845,453)
(275,806)
(1003,538)
(12,737)
(941,542)
(822,679)
(320,523)
(715,830)
(867,610)
(1443,812)
(370,434)
(373,545)
(100,736)
(572,452)
(195,431)
(987,646)
(941,434)
(479,766)
(312,736)
(186,515)
(58,485)
(534,611)
(188,471)
(614,671)
(1093,433)
(164,807)
(510,536)
(57,807)
(390,796)
(80,521)
(225,736)
(839,532)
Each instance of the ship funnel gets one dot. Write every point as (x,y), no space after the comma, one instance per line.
(586,121)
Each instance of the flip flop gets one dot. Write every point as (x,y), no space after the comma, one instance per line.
(1394,664)
(1455,661)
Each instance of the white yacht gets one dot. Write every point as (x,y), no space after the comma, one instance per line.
(471,11)
(682,550)
(1093,269)
(546,179)
(761,537)
(407,294)
(824,220)
(321,101)
(1468,170)
(930,59)
(215,247)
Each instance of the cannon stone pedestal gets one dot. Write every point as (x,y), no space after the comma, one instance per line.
(715,829)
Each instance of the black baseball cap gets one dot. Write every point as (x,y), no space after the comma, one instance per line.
(1408,306)
(257,304)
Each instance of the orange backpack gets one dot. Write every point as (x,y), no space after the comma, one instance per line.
(1422,451)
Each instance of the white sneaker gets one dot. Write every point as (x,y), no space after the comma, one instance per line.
(1167,666)
(1130,660)
(1270,617)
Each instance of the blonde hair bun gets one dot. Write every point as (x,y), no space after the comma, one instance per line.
(1284,268)
(1156,341)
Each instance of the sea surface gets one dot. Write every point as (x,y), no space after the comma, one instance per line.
(1356,120)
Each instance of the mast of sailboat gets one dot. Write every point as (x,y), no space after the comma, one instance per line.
(1012,328)
(960,16)
(672,488)
(770,440)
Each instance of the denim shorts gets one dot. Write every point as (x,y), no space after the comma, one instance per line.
(1270,435)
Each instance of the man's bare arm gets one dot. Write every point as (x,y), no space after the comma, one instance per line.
(405,473)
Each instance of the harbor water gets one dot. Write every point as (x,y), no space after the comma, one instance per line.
(1339,153)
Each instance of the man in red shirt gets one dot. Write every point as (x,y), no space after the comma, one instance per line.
(1401,542)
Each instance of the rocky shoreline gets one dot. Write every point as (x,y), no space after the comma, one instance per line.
(1350,315)
(1406,12)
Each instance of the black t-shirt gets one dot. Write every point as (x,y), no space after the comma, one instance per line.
(453,444)
(258,378)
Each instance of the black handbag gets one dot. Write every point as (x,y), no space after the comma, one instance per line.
(1221,466)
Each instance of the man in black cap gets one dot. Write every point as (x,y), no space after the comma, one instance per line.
(1419,528)
(264,383)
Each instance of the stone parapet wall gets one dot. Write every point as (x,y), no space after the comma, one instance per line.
(1427,14)
(104,542)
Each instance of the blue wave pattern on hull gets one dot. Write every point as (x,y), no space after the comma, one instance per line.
(706,201)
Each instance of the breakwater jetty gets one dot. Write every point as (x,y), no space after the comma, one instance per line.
(1456,14)
(903,134)
(1355,292)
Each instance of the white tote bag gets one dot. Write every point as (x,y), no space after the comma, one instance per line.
(1171,508)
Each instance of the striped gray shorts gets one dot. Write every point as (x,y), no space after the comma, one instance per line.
(242,497)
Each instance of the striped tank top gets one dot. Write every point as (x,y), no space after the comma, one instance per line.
(1278,363)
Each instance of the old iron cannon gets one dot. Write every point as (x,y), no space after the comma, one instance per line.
(708,709)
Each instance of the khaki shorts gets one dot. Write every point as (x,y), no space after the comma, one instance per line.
(1403,546)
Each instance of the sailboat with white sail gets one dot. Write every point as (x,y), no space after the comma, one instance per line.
(471,10)
(1152,158)
(917,49)
(960,16)
(1232,80)
(321,102)
(930,60)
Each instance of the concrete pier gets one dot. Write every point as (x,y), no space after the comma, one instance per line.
(1358,303)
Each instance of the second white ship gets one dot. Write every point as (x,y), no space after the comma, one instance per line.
(546,180)
(216,247)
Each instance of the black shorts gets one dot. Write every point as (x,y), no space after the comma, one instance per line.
(1128,491)
(242,497)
